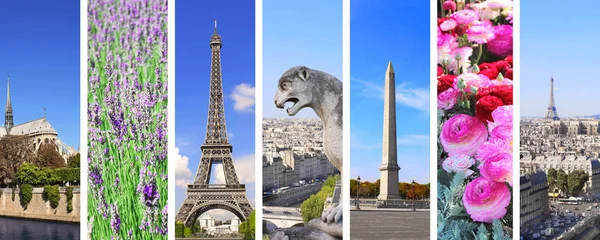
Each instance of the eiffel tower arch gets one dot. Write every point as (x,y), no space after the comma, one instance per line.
(202,196)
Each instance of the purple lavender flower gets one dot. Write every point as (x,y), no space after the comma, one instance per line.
(151,194)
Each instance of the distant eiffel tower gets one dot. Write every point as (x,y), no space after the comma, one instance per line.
(203,196)
(551,112)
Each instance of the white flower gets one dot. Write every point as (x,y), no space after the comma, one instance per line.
(459,163)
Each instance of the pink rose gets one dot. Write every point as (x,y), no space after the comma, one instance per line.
(465,16)
(486,201)
(498,168)
(459,163)
(481,32)
(502,44)
(448,98)
(491,148)
(462,134)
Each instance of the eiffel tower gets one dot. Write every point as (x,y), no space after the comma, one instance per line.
(201,195)
(551,112)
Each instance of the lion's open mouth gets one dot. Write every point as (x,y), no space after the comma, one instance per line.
(292,101)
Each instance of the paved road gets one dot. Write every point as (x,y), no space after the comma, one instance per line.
(389,225)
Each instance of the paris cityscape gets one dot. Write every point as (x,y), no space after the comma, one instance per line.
(294,169)
(560,175)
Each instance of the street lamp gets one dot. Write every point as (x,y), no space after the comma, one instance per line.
(357,193)
(413,188)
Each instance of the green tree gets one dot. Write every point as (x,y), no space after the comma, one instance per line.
(187,231)
(313,206)
(552,177)
(562,181)
(51,194)
(179,229)
(248,227)
(73,162)
(14,150)
(576,181)
(25,194)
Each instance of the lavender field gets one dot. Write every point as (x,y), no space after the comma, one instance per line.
(127,119)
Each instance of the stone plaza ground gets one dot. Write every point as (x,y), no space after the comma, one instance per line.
(389,224)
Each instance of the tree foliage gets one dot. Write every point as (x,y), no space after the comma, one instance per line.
(49,157)
(576,181)
(552,178)
(32,174)
(25,194)
(562,181)
(313,206)
(73,162)
(52,194)
(248,227)
(14,151)
(179,229)
(69,199)
(371,189)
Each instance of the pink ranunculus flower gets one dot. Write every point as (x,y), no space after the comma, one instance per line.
(462,134)
(502,44)
(491,148)
(499,4)
(446,45)
(449,5)
(486,201)
(481,32)
(459,163)
(448,25)
(466,16)
(459,58)
(472,80)
(498,168)
(502,127)
(448,98)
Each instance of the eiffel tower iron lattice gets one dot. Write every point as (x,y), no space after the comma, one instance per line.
(201,195)
(551,111)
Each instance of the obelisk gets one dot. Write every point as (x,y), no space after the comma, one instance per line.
(389,166)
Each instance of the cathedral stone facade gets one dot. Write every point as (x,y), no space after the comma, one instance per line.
(40,131)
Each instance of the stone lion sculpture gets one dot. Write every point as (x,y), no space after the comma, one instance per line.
(305,87)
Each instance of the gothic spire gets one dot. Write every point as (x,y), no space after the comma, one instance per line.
(8,116)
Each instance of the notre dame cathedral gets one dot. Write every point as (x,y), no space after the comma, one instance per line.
(39,130)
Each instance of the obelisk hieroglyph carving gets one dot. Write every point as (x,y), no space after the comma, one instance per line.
(389,166)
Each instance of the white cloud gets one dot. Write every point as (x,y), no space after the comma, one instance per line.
(243,95)
(183,174)
(181,165)
(417,98)
(244,167)
(412,140)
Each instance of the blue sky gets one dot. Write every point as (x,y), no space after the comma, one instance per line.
(294,33)
(40,48)
(378,34)
(560,42)
(194,26)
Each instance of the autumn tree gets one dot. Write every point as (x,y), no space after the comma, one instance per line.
(49,157)
(14,151)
